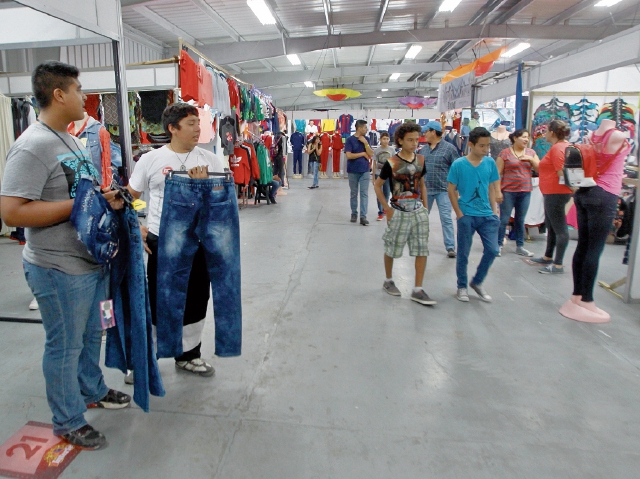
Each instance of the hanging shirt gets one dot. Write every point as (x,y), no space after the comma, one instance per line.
(228,134)
(329,125)
(188,78)
(336,142)
(344,124)
(205,125)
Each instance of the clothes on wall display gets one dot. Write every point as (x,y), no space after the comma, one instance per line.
(188,77)
(264,162)
(544,114)
(328,125)
(206,134)
(228,134)
(300,125)
(240,166)
(201,212)
(622,113)
(583,119)
(97,141)
(344,124)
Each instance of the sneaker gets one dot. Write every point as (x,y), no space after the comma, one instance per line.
(478,288)
(551,269)
(354,218)
(273,200)
(128,378)
(380,217)
(86,438)
(363,221)
(541,260)
(196,366)
(113,400)
(523,252)
(463,295)
(391,288)
(499,252)
(33,305)
(451,253)
(20,240)
(422,298)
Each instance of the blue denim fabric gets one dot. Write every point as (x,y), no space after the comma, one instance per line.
(313,167)
(444,209)
(116,154)
(487,228)
(69,305)
(386,191)
(95,221)
(359,181)
(297,162)
(130,343)
(520,201)
(198,212)
(92,134)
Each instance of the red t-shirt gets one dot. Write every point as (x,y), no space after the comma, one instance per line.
(336,142)
(552,162)
(325,141)
(240,166)
(188,77)
(205,86)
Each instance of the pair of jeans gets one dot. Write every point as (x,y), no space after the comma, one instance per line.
(487,228)
(555,220)
(313,169)
(444,209)
(596,209)
(386,191)
(275,186)
(520,201)
(359,182)
(130,344)
(70,309)
(199,212)
(297,162)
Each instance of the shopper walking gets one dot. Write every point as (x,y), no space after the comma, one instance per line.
(439,156)
(516,166)
(381,155)
(182,125)
(473,188)
(407,216)
(67,282)
(314,149)
(359,154)
(556,196)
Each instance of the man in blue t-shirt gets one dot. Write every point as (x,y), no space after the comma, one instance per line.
(359,154)
(473,189)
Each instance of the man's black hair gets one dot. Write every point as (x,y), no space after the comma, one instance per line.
(49,76)
(176,112)
(438,133)
(477,133)
(404,129)
(360,123)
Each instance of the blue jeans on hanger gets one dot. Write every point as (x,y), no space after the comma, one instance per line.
(198,212)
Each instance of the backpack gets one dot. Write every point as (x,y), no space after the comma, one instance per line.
(580,165)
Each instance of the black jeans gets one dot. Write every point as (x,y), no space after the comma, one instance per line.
(596,209)
(556,221)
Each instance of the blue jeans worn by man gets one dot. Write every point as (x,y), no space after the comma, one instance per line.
(444,210)
(520,201)
(487,228)
(359,183)
(386,189)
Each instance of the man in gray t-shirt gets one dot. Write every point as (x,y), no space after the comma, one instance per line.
(43,169)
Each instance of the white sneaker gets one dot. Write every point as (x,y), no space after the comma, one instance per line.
(33,305)
(482,294)
(524,252)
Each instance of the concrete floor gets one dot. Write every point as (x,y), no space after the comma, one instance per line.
(339,380)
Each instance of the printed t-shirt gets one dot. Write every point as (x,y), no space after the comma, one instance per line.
(550,164)
(473,184)
(406,178)
(150,171)
(361,164)
(516,175)
(381,155)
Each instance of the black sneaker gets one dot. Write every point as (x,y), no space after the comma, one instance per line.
(86,438)
(364,221)
(273,200)
(113,400)
(354,218)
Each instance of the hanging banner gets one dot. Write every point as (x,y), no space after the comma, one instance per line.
(456,93)
(480,66)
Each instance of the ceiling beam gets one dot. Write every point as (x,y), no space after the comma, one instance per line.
(213,15)
(141,37)
(514,10)
(569,12)
(267,65)
(158,20)
(327,15)
(225,53)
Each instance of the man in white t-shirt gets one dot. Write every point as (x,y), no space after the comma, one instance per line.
(181,123)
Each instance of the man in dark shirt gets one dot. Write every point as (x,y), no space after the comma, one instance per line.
(359,154)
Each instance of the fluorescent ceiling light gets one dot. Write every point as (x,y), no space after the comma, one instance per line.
(449,5)
(294,59)
(262,12)
(413,51)
(378,97)
(519,48)
(394,76)
(607,3)
(308,84)
(385,89)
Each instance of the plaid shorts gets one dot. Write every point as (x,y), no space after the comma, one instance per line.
(412,228)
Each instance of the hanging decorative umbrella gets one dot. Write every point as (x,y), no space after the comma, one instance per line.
(338,94)
(417,102)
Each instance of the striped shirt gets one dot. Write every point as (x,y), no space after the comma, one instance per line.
(517,174)
(438,161)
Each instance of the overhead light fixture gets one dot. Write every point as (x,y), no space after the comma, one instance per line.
(261,11)
(294,59)
(519,48)
(449,5)
(385,89)
(378,97)
(394,76)
(607,3)
(308,84)
(413,51)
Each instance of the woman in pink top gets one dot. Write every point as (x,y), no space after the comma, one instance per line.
(516,166)
(596,208)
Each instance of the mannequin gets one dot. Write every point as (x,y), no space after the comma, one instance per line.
(96,139)
(596,211)
(499,141)
(501,133)
(325,140)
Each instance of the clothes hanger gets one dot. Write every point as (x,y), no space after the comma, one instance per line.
(227,173)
